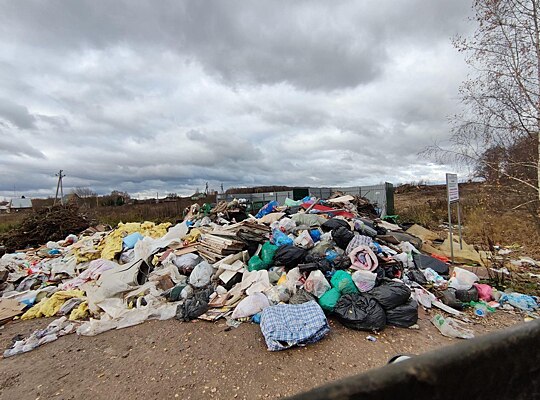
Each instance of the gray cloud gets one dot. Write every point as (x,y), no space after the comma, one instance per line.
(16,114)
(145,96)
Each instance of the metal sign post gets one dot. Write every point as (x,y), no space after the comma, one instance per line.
(452,191)
(459,225)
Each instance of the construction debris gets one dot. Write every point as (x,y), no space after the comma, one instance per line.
(290,266)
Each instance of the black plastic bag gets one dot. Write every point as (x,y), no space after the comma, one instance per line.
(342,262)
(308,267)
(381,278)
(334,223)
(423,261)
(417,276)
(195,306)
(301,296)
(467,295)
(360,312)
(391,294)
(448,297)
(322,263)
(342,236)
(380,230)
(403,316)
(289,256)
(392,269)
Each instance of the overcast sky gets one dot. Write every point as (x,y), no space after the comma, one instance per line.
(162,96)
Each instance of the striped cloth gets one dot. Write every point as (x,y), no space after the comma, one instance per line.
(358,240)
(287,325)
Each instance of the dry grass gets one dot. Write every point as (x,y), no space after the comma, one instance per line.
(10,221)
(486,211)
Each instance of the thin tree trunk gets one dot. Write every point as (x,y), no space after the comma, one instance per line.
(537,48)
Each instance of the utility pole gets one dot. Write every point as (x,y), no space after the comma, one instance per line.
(59,186)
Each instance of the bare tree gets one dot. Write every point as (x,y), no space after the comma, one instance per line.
(501,99)
(84,192)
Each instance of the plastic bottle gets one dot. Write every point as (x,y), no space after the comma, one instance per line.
(480,310)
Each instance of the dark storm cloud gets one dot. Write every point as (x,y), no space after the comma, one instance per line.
(145,96)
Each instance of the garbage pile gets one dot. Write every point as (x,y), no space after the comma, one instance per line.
(286,268)
(46,224)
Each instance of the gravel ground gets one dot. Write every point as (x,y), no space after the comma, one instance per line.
(201,360)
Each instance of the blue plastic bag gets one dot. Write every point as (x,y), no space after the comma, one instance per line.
(519,300)
(280,239)
(267,209)
(256,319)
(131,240)
(376,247)
(331,255)
(315,234)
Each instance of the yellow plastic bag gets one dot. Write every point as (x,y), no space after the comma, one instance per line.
(193,236)
(50,306)
(80,312)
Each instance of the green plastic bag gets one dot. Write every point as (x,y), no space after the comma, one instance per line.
(256,264)
(342,281)
(266,258)
(329,300)
(268,251)
(292,203)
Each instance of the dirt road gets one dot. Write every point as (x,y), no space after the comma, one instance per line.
(200,360)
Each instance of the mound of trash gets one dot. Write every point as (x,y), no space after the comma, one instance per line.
(47,224)
(287,268)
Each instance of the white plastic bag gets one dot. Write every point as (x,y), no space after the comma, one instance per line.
(96,326)
(304,241)
(187,261)
(251,305)
(316,283)
(434,277)
(255,281)
(462,279)
(201,275)
(292,278)
(449,327)
(277,294)
(364,280)
(287,225)
(423,297)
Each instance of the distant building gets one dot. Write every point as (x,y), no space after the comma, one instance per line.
(71,198)
(21,204)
